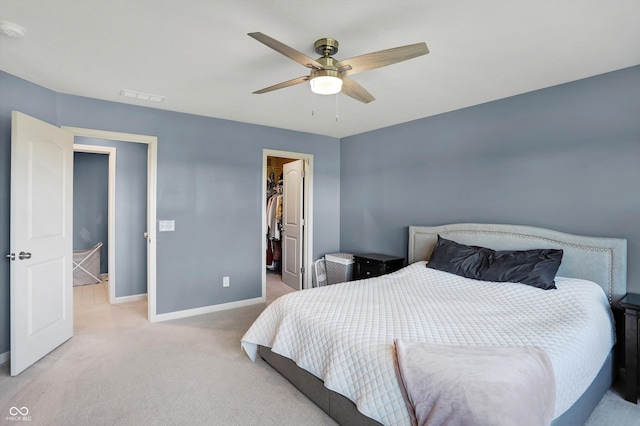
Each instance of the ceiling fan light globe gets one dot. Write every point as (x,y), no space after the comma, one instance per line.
(326,85)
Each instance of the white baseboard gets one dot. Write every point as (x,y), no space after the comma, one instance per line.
(133,298)
(209,309)
(5,357)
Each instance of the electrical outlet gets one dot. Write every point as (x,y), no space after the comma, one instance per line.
(225,281)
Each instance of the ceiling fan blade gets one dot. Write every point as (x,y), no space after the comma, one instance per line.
(287,51)
(282,85)
(356,91)
(381,58)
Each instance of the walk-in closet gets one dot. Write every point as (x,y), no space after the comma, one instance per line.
(274,225)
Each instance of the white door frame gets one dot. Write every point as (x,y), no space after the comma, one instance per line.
(152,172)
(307,246)
(111,210)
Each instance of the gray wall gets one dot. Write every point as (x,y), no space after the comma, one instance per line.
(209,182)
(131,214)
(565,158)
(90,203)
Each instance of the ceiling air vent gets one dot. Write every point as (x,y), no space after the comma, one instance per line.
(141,96)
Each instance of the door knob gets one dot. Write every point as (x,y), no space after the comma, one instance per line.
(22,255)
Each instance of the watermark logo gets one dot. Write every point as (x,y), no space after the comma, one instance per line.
(18,414)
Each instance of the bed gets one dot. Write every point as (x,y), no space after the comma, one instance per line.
(355,381)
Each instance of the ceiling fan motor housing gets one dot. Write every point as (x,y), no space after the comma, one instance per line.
(326,46)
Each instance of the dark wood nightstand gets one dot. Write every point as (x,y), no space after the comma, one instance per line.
(373,265)
(631,305)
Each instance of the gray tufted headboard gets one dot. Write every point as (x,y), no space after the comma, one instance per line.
(601,260)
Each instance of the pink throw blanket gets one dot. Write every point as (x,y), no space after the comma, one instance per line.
(473,385)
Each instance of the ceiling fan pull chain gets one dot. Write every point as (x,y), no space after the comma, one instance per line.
(313,104)
(337,105)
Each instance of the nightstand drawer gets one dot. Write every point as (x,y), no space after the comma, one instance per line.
(373,265)
(369,269)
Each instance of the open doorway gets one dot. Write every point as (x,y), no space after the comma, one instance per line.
(131,243)
(287,218)
(275,237)
(127,214)
(93,219)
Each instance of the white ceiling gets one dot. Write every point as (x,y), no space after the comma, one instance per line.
(197,53)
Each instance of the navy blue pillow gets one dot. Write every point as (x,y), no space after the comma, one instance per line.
(536,268)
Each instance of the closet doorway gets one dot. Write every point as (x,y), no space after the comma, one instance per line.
(287,222)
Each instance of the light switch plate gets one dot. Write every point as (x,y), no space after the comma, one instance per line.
(167,225)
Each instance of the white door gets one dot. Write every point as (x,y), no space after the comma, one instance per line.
(41,239)
(292,223)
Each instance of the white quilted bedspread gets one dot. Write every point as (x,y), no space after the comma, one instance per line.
(344,333)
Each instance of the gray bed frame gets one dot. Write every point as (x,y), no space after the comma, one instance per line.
(601,260)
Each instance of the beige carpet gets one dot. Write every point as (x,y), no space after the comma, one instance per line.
(120,370)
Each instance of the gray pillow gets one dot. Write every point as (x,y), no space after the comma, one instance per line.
(536,268)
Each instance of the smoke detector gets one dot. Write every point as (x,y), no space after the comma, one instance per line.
(11,30)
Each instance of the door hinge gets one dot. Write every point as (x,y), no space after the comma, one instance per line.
(302,222)
(302,174)
(302,270)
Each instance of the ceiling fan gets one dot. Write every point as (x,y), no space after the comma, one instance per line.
(329,76)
